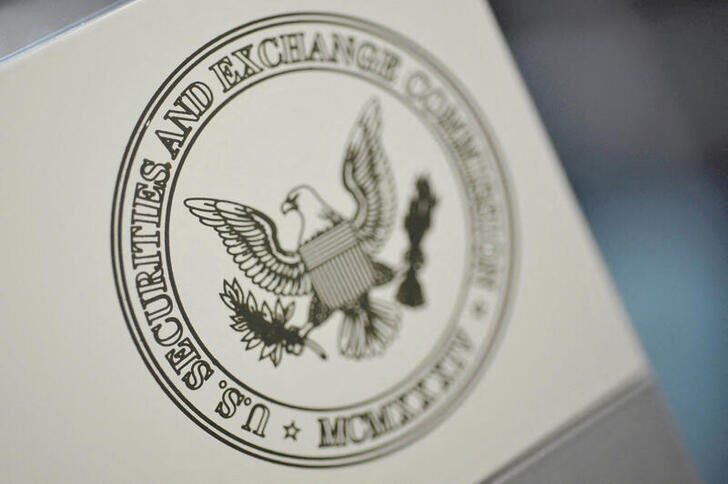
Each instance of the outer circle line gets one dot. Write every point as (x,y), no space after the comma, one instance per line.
(123,294)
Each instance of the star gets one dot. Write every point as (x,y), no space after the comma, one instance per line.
(479,308)
(291,430)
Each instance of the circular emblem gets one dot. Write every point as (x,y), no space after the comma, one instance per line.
(312,239)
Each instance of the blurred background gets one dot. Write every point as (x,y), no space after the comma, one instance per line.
(634,95)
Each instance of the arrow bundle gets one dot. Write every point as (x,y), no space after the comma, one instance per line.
(416,223)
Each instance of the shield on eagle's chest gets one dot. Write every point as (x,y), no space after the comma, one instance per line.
(339,268)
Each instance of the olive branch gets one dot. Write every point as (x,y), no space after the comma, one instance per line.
(263,325)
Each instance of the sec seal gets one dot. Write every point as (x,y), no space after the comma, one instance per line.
(312,239)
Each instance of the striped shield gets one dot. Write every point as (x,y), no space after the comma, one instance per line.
(339,268)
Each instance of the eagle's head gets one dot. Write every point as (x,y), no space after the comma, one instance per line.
(316,215)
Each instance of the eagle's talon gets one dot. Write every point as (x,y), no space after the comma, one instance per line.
(294,348)
(305,329)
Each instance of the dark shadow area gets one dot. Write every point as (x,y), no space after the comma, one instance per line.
(635,98)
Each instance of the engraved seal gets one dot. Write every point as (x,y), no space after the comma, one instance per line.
(313,240)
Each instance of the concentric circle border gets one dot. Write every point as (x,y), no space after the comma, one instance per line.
(189,410)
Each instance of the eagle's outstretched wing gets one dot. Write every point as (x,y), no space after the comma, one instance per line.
(368,177)
(251,238)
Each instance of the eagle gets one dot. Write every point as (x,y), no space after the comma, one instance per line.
(334,261)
